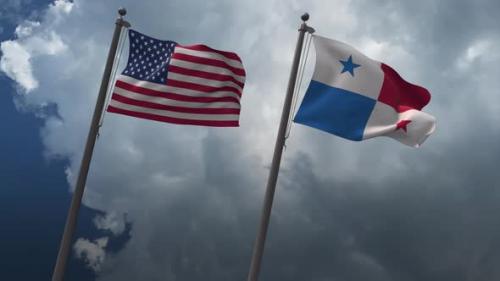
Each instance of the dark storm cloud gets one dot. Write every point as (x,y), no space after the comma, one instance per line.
(432,218)
(206,229)
(437,217)
(437,223)
(451,24)
(437,34)
(343,211)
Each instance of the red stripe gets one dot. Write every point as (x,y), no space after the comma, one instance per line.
(201,88)
(204,74)
(153,105)
(211,123)
(205,48)
(172,96)
(207,61)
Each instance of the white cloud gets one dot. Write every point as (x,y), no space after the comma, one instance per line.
(17,55)
(111,221)
(15,63)
(148,169)
(177,183)
(479,51)
(92,253)
(33,41)
(26,28)
(61,7)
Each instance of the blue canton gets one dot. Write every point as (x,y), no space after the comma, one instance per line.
(148,58)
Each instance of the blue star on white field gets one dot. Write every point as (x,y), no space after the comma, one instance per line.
(349,65)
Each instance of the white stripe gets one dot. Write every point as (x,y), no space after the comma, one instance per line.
(167,101)
(208,55)
(202,81)
(175,90)
(181,115)
(207,68)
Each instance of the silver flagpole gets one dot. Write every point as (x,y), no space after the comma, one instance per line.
(278,150)
(71,220)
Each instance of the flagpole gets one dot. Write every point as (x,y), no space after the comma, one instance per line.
(278,150)
(71,220)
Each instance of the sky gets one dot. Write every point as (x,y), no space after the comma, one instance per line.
(170,202)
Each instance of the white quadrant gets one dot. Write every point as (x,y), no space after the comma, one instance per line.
(367,79)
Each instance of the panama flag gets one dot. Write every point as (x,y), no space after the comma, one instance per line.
(357,98)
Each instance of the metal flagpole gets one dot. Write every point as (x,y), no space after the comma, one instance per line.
(71,220)
(278,150)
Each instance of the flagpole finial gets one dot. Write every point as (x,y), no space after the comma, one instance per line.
(120,21)
(305,17)
(122,12)
(304,26)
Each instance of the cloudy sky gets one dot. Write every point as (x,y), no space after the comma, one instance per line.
(168,202)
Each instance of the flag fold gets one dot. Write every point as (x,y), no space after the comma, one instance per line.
(357,98)
(169,82)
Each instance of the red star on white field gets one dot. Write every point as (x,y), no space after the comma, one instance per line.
(402,125)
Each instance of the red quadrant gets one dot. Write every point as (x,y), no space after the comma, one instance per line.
(401,95)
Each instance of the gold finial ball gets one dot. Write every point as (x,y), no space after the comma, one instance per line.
(122,11)
(305,17)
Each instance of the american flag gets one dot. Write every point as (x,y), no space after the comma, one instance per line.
(168,82)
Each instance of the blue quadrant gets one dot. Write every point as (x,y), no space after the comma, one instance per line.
(334,110)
